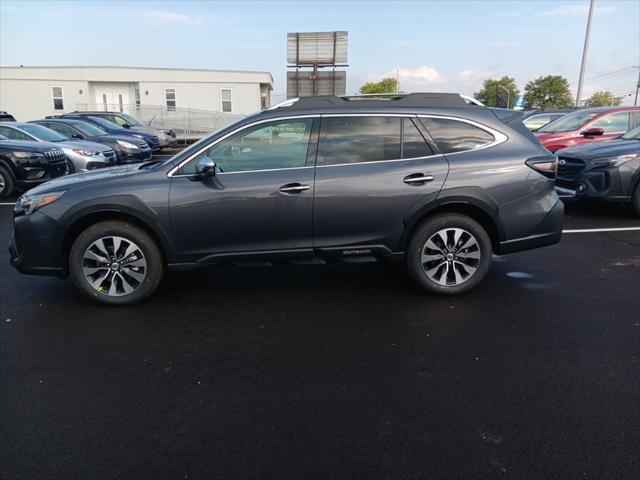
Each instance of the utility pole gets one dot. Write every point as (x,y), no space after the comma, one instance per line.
(635,102)
(508,93)
(584,53)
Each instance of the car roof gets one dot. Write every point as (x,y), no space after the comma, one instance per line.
(70,121)
(607,109)
(94,112)
(412,100)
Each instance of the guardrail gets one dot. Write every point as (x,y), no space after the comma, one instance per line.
(188,123)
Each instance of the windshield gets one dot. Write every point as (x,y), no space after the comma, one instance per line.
(130,119)
(89,130)
(104,123)
(43,133)
(568,123)
(632,134)
(2,137)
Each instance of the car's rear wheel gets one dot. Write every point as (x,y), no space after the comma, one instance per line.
(635,200)
(6,182)
(448,254)
(116,263)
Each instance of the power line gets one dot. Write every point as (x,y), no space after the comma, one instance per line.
(623,71)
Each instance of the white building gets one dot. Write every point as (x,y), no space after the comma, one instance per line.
(30,93)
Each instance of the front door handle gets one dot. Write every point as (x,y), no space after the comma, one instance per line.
(417,179)
(294,188)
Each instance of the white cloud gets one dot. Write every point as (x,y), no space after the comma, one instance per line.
(572,9)
(416,79)
(166,17)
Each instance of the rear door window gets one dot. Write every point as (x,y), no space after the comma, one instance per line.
(361,139)
(413,143)
(13,134)
(456,136)
(613,123)
(61,129)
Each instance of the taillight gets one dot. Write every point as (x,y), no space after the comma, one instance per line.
(547,166)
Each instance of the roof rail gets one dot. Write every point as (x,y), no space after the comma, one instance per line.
(420,100)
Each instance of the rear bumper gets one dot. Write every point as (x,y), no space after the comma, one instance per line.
(549,232)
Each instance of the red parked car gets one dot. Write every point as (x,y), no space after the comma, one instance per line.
(588,125)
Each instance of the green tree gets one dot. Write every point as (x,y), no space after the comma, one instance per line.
(603,99)
(493,89)
(551,91)
(386,85)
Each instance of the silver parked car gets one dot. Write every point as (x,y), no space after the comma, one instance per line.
(81,154)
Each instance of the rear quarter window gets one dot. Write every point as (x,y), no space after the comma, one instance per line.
(456,136)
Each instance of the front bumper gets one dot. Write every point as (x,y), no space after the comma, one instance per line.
(134,156)
(549,232)
(33,255)
(580,179)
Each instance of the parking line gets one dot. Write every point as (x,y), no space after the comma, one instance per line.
(597,230)
(7,203)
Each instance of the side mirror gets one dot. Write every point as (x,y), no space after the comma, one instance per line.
(592,132)
(76,135)
(206,167)
(127,125)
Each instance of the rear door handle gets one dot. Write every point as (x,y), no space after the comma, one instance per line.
(294,188)
(417,179)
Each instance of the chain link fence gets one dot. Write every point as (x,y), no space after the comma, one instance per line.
(188,123)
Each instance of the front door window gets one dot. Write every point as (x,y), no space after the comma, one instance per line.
(276,145)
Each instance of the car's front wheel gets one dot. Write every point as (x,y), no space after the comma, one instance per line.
(635,200)
(6,182)
(449,254)
(116,263)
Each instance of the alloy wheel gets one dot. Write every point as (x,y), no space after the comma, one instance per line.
(3,182)
(114,266)
(450,256)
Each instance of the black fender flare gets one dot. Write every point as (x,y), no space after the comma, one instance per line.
(474,197)
(123,205)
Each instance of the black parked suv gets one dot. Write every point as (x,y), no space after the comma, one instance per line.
(27,164)
(427,178)
(608,171)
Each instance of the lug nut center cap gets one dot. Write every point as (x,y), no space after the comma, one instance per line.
(115,266)
(450,257)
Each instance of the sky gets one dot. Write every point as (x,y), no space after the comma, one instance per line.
(448,46)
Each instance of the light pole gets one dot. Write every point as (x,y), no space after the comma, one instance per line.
(584,54)
(508,93)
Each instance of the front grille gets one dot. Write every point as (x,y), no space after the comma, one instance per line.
(109,155)
(54,156)
(569,168)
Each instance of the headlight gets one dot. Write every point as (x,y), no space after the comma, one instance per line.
(31,155)
(85,153)
(27,204)
(613,161)
(128,145)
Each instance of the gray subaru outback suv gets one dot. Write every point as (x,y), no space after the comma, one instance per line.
(427,178)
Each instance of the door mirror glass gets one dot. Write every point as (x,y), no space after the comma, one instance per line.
(592,132)
(205,167)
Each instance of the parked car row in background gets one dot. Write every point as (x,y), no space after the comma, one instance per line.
(87,140)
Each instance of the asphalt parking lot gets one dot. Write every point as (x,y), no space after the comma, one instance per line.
(334,371)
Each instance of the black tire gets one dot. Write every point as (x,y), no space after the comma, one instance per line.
(153,270)
(635,200)
(473,231)
(6,182)
(70,167)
